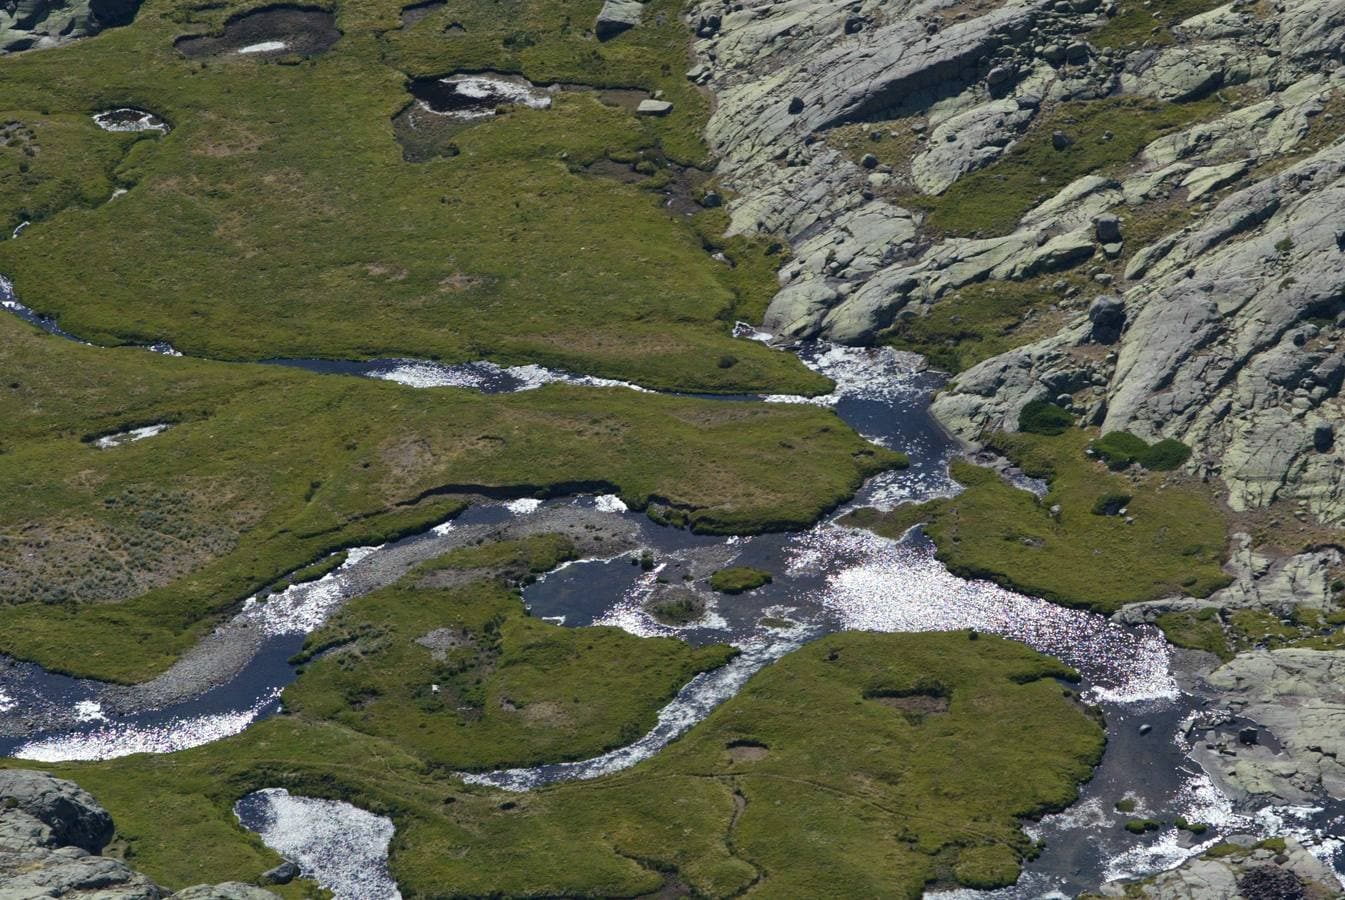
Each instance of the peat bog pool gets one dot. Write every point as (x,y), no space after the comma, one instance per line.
(281,30)
(827,578)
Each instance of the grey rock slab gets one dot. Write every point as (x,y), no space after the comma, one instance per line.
(1299,696)
(966,142)
(71,813)
(617,16)
(1206,179)
(653,108)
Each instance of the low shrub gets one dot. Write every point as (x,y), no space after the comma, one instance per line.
(1165,455)
(1041,417)
(1118,449)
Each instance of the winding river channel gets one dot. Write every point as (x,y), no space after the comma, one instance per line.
(829,578)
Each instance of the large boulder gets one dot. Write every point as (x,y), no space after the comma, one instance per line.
(1108,317)
(74,817)
(617,16)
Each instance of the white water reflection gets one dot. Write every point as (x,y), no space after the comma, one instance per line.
(880,585)
(108,441)
(128,119)
(122,739)
(340,846)
(303,608)
(487,376)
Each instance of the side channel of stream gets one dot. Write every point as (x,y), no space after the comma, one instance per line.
(829,578)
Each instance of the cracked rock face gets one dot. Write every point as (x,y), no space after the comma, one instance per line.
(51,832)
(1299,697)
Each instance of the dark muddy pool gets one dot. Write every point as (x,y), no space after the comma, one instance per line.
(271,32)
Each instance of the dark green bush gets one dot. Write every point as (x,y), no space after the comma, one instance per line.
(1165,455)
(1118,449)
(1041,417)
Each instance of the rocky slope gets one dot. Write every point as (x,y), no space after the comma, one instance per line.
(51,832)
(1227,334)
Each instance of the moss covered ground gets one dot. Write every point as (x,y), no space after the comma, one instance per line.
(1148,24)
(465,680)
(854,799)
(279,218)
(1172,540)
(979,321)
(1225,633)
(267,468)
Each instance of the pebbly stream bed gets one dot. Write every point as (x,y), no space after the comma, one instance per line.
(828,578)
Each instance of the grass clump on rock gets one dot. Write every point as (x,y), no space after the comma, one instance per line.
(738,579)
(993,199)
(677,607)
(1142,826)
(939,802)
(1172,540)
